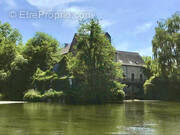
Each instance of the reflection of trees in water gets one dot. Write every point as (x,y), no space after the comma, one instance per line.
(134,114)
(77,119)
(164,117)
(152,118)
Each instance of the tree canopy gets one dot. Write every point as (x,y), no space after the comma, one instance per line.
(166,45)
(93,65)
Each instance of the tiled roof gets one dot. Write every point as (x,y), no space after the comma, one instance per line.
(129,58)
(126,58)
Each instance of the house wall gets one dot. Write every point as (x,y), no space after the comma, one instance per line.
(134,88)
(136,70)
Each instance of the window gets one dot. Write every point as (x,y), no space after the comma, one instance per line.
(132,77)
(124,76)
(141,78)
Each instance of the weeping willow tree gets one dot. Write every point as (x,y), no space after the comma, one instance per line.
(166,46)
(165,82)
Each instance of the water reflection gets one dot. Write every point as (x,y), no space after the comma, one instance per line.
(130,118)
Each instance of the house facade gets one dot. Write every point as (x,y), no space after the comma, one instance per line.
(133,76)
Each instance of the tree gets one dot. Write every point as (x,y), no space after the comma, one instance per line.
(9,40)
(19,63)
(166,46)
(93,65)
(41,51)
(164,82)
(151,67)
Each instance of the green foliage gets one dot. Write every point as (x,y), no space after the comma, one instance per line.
(160,88)
(117,91)
(164,71)
(149,90)
(41,51)
(32,95)
(42,80)
(151,67)
(1,96)
(120,95)
(11,61)
(166,46)
(52,95)
(28,66)
(9,35)
(93,66)
(19,63)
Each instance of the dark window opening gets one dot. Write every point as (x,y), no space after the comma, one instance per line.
(141,78)
(132,77)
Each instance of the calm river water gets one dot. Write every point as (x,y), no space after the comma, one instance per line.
(129,118)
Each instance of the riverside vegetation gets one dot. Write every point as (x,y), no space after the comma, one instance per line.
(26,71)
(163,71)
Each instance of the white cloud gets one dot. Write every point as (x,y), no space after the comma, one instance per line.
(144,27)
(48,4)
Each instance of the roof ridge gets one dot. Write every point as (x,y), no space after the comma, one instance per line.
(127,52)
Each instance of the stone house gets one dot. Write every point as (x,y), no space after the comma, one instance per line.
(132,65)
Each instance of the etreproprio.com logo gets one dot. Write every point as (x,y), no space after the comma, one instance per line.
(49,14)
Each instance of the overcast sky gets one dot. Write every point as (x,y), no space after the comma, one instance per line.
(130,23)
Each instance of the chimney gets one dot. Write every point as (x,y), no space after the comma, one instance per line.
(65,45)
(108,36)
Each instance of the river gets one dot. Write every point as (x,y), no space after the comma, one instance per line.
(129,118)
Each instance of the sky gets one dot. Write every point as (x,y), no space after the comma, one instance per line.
(131,23)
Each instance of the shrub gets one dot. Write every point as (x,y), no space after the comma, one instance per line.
(161,88)
(52,95)
(120,95)
(32,95)
(117,91)
(156,88)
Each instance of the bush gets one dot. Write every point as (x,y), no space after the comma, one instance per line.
(120,95)
(149,90)
(52,95)
(161,88)
(156,88)
(117,91)
(32,95)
